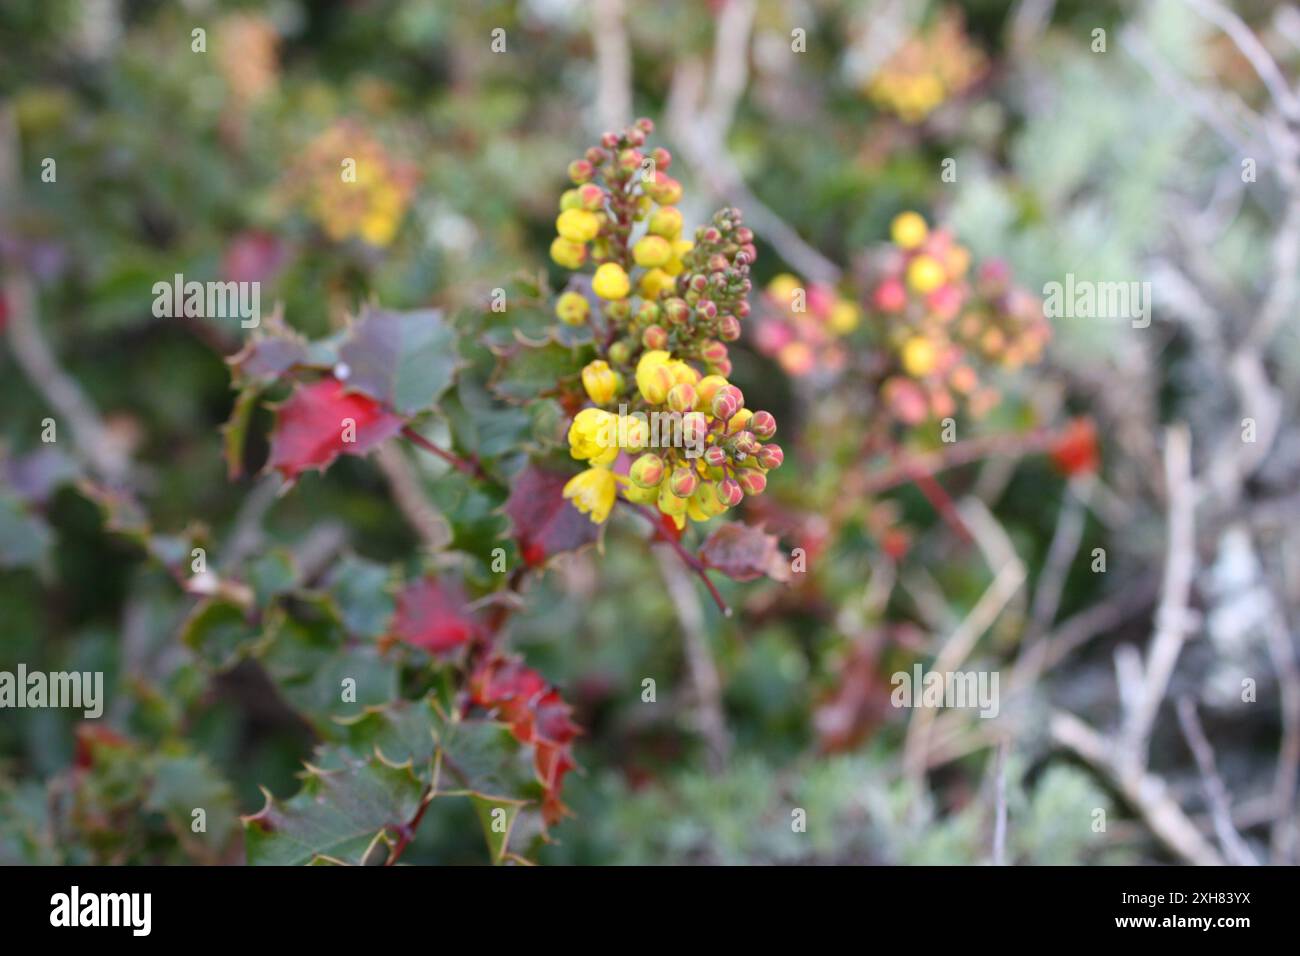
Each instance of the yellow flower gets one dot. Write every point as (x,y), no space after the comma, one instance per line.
(611,282)
(908,230)
(844,317)
(593,492)
(600,381)
(654,282)
(652,251)
(577,225)
(924,274)
(705,389)
(594,436)
(675,267)
(653,376)
(918,356)
(782,287)
(666,222)
(568,253)
(683,373)
(572,308)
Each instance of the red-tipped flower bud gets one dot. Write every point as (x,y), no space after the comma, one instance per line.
(655,337)
(676,310)
(729,328)
(727,402)
(713,351)
(715,456)
(763,425)
(681,397)
(647,471)
(770,456)
(581,171)
(707,308)
(752,481)
(683,482)
(729,492)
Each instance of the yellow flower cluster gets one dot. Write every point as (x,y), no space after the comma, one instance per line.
(707,459)
(353,188)
(928,69)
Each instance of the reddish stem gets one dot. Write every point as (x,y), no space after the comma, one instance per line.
(469,466)
(942,503)
(690,560)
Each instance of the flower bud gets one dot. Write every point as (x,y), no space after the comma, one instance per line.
(763,425)
(596,156)
(652,251)
(729,492)
(662,188)
(711,236)
(568,253)
(570,199)
(770,456)
(715,456)
(676,311)
(577,225)
(655,338)
(655,283)
(647,471)
(742,309)
(663,158)
(727,402)
(707,309)
(629,161)
(666,222)
(698,284)
(572,308)
(729,328)
(706,388)
(591,197)
(683,482)
(712,350)
(739,421)
(581,171)
(745,443)
(611,282)
(918,356)
(722,366)
(908,230)
(609,140)
(706,500)
(752,481)
(600,381)
(620,352)
(681,397)
(890,296)
(635,136)
(925,274)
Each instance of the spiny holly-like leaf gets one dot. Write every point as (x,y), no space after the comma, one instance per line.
(544,522)
(462,758)
(743,552)
(180,784)
(537,716)
(432,614)
(348,814)
(315,425)
(323,673)
(220,632)
(269,353)
(527,370)
(234,433)
(361,590)
(404,360)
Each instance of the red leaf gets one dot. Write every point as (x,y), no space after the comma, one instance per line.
(1075,451)
(743,553)
(312,425)
(545,524)
(537,715)
(432,614)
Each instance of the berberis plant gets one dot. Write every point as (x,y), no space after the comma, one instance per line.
(426,706)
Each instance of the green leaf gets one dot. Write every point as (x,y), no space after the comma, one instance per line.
(234,433)
(406,360)
(363,592)
(220,632)
(525,371)
(350,814)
